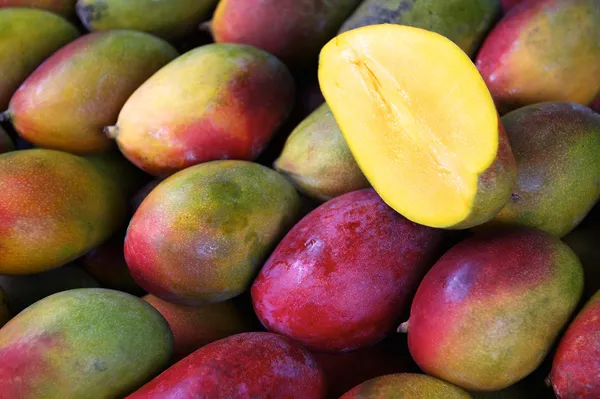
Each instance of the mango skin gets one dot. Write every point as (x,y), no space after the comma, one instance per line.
(66,103)
(596,104)
(55,207)
(70,344)
(556,146)
(250,365)
(6,143)
(33,35)
(575,368)
(196,326)
(169,19)
(465,22)
(219,101)
(4,312)
(317,159)
(546,50)
(496,301)
(65,8)
(584,242)
(23,291)
(200,236)
(406,386)
(292,30)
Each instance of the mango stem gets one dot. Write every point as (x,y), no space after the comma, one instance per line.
(403,328)
(5,116)
(111,131)
(206,27)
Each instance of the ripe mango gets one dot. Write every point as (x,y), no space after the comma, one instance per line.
(341,278)
(55,207)
(596,104)
(27,38)
(196,326)
(292,30)
(493,302)
(4,313)
(426,134)
(546,50)
(508,4)
(169,19)
(66,8)
(87,343)
(250,365)
(465,22)
(201,234)
(219,101)
(317,159)
(23,291)
(575,369)
(584,242)
(66,103)
(406,386)
(6,143)
(556,146)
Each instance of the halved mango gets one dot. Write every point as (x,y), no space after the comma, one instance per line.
(420,122)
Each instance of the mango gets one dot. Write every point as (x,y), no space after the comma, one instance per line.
(4,312)
(576,368)
(23,291)
(85,343)
(196,326)
(169,19)
(596,104)
(433,149)
(584,242)
(66,103)
(200,236)
(546,50)
(556,146)
(406,386)
(280,368)
(219,101)
(27,38)
(294,31)
(508,4)
(317,159)
(114,165)
(496,301)
(66,8)
(55,207)
(6,143)
(315,287)
(465,22)
(106,263)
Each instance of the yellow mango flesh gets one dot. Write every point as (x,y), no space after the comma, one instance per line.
(422,130)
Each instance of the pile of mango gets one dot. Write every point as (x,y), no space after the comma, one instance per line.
(299,199)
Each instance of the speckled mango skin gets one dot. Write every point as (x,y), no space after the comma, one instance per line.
(292,30)
(87,343)
(251,365)
(556,146)
(66,8)
(6,143)
(317,159)
(465,22)
(200,235)
(27,38)
(169,19)
(401,386)
(219,101)
(54,208)
(23,291)
(495,301)
(546,50)
(584,242)
(343,276)
(576,368)
(196,326)
(4,313)
(66,103)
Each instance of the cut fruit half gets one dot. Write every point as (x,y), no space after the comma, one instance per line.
(420,122)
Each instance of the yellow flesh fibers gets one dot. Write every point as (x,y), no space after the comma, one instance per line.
(416,115)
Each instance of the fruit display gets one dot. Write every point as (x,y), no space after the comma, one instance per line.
(299,199)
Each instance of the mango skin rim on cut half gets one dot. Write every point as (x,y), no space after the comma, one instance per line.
(420,122)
